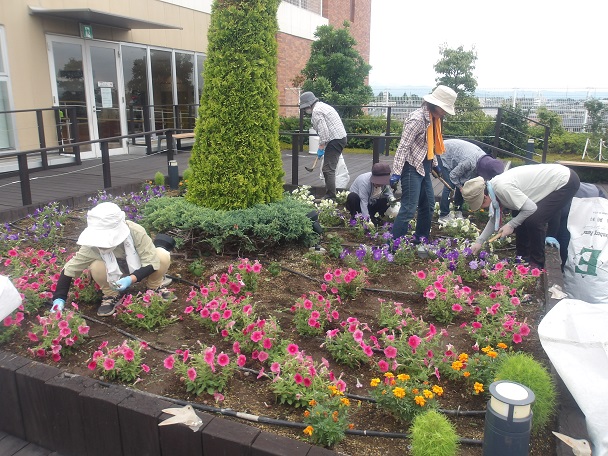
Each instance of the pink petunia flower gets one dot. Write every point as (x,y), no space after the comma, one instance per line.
(145,368)
(293,349)
(192,373)
(390,352)
(108,364)
(223,359)
(169,362)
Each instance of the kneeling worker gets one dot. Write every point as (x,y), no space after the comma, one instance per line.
(370,193)
(109,236)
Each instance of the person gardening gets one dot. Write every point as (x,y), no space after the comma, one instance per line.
(371,194)
(421,141)
(332,137)
(535,193)
(107,238)
(461,162)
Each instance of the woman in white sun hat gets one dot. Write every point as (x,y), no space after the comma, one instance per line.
(108,237)
(421,141)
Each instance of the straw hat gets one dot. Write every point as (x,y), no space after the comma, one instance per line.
(381,174)
(106,227)
(473,191)
(444,97)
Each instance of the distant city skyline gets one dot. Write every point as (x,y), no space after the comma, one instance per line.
(576,93)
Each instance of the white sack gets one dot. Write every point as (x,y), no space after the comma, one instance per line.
(586,268)
(10,298)
(342,175)
(574,336)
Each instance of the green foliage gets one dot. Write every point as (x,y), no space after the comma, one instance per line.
(122,363)
(469,122)
(596,110)
(7,333)
(145,311)
(514,130)
(327,418)
(568,143)
(315,258)
(433,435)
(336,71)
(236,160)
(159,178)
(274,268)
(455,69)
(523,368)
(345,349)
(197,267)
(247,230)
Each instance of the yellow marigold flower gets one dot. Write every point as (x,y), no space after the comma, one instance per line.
(492,354)
(312,402)
(306,414)
(428,394)
(383,391)
(457,365)
(466,374)
(399,393)
(375,382)
(438,390)
(486,349)
(389,374)
(415,391)
(345,401)
(308,430)
(463,357)
(478,387)
(420,401)
(403,377)
(501,345)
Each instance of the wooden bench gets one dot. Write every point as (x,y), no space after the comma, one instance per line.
(175,137)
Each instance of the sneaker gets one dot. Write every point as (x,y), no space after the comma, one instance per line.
(166,281)
(443,219)
(421,251)
(108,305)
(458,215)
(166,294)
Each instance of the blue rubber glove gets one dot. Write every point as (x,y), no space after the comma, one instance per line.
(552,242)
(58,305)
(124,283)
(394,179)
(320,152)
(437,169)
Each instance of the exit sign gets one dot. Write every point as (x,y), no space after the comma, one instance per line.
(86,31)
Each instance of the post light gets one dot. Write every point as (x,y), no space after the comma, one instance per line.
(173,175)
(508,420)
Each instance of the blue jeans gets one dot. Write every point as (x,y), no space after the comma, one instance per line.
(416,193)
(444,203)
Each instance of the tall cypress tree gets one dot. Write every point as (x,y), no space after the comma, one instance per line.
(236,160)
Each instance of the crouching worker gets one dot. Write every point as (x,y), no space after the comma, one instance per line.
(535,193)
(108,237)
(370,193)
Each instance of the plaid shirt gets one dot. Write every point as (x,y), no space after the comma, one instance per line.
(326,121)
(413,147)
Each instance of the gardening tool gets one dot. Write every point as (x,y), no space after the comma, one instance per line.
(444,182)
(580,447)
(313,165)
(496,236)
(183,415)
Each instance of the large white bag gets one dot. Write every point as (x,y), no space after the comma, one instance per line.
(586,269)
(342,175)
(10,298)
(574,336)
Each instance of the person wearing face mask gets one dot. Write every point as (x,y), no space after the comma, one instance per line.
(107,238)
(421,141)
(370,193)
(332,137)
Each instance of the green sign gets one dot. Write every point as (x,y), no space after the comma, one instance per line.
(86,31)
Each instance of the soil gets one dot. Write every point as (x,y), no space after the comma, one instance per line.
(274,297)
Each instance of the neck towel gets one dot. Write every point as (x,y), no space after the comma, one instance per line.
(494,208)
(112,268)
(434,138)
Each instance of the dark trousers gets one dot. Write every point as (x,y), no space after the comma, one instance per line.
(333,150)
(353,205)
(530,235)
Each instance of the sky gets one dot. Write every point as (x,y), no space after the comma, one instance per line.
(532,44)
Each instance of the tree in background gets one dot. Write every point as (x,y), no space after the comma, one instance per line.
(236,160)
(335,71)
(455,69)
(595,113)
(513,135)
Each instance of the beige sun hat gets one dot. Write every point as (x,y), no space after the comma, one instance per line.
(106,227)
(444,97)
(473,191)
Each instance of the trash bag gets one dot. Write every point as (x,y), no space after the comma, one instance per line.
(342,175)
(10,298)
(586,268)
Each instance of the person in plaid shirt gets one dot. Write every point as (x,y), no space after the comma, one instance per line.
(420,142)
(332,137)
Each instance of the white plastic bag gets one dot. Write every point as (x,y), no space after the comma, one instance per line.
(574,336)
(342,175)
(586,269)
(10,298)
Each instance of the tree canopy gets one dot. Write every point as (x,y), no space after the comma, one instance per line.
(455,69)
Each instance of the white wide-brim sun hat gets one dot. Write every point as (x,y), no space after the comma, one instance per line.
(106,227)
(444,97)
(473,191)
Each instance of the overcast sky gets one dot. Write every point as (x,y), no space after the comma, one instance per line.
(519,43)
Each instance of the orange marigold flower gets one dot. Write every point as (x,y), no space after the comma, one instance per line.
(420,401)
(438,390)
(312,402)
(308,430)
(334,416)
(501,345)
(393,382)
(486,349)
(351,426)
(306,414)
(399,393)
(478,387)
(415,391)
(492,354)
(389,374)
(463,357)
(345,401)
(466,374)
(457,365)
(428,394)
(375,382)
(403,377)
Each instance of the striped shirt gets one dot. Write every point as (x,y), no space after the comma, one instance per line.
(327,123)
(413,147)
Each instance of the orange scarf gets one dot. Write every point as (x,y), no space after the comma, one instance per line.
(434,138)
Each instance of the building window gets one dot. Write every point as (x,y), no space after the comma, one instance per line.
(7,134)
